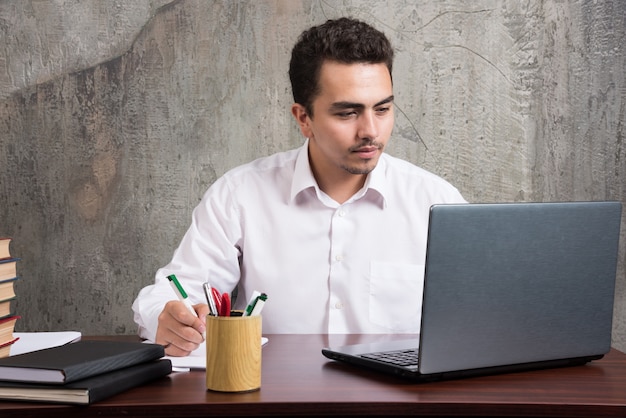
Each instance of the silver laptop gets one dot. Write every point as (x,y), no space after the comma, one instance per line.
(508,287)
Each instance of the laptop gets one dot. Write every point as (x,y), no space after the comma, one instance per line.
(507,287)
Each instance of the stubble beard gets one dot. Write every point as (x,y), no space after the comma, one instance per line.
(358,170)
(367,169)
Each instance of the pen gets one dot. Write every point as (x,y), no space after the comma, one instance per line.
(217,299)
(209,299)
(225,309)
(180,292)
(258,306)
(251,303)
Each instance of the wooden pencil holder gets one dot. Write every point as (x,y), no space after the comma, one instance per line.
(233,353)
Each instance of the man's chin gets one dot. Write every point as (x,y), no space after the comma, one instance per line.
(360,170)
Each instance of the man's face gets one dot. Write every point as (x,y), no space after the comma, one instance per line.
(352,120)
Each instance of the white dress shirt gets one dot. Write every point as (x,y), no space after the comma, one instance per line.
(326,267)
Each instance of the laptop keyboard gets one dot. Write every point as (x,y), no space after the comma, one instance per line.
(399,357)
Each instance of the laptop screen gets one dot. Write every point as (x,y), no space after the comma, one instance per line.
(518,282)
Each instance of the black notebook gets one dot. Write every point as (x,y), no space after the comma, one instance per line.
(76,361)
(88,390)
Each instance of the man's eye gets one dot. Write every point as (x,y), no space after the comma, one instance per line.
(381,110)
(346,114)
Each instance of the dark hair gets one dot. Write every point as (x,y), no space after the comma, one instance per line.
(344,40)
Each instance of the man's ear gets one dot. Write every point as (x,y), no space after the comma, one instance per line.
(302,118)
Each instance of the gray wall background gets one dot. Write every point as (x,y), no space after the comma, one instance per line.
(116,116)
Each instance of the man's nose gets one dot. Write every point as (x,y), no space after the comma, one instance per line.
(368,126)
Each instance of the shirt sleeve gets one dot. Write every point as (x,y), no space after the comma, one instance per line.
(209,251)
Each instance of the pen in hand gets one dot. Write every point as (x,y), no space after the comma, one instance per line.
(182,295)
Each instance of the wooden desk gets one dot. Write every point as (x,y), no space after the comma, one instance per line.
(297,381)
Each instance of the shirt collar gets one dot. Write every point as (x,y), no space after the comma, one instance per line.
(303,178)
(377,181)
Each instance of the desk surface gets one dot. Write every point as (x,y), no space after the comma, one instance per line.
(297,380)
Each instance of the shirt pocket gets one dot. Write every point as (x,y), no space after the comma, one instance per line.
(395,295)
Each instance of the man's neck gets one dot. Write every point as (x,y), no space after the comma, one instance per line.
(343,188)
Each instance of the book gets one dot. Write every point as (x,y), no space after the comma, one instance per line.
(91,389)
(5,306)
(7,290)
(76,361)
(4,247)
(8,276)
(7,325)
(8,268)
(5,348)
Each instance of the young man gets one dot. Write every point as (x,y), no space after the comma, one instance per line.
(333,232)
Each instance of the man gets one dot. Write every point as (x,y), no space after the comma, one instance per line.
(333,232)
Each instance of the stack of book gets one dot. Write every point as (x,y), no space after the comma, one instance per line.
(82,372)
(8,276)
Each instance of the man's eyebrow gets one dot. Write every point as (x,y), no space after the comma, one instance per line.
(385,101)
(352,105)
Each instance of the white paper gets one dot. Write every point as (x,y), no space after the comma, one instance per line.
(33,341)
(196,360)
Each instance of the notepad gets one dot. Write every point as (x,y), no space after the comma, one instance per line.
(196,360)
(33,341)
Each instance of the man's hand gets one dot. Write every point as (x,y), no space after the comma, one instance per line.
(179,331)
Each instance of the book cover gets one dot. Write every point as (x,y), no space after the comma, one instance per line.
(89,390)
(76,361)
(4,247)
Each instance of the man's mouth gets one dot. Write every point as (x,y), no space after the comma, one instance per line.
(367,152)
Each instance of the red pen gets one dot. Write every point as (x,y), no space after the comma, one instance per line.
(217,298)
(225,305)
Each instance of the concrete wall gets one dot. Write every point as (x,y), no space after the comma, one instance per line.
(116,116)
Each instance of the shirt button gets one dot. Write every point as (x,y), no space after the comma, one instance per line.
(338,305)
(339,257)
(341,213)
